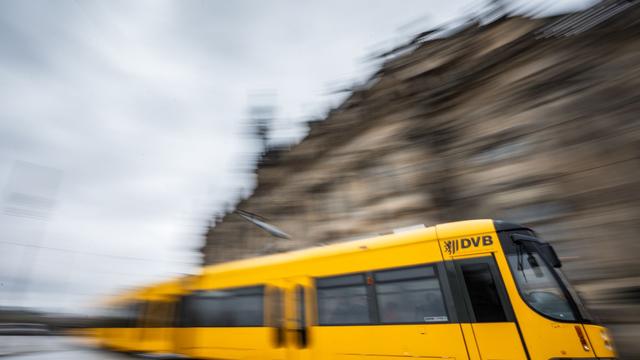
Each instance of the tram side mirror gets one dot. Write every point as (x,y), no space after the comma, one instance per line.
(549,253)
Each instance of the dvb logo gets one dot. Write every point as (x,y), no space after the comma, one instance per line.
(453,246)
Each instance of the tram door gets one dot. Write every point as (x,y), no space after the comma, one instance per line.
(297,322)
(276,320)
(494,328)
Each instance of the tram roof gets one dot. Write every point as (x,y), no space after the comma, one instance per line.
(432,233)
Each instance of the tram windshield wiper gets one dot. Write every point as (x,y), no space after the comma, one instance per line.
(530,243)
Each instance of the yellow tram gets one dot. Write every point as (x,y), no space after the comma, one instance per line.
(478,289)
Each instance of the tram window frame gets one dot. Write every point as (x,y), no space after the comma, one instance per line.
(226,299)
(133,314)
(301,315)
(157,313)
(403,275)
(179,315)
(122,316)
(343,281)
(498,285)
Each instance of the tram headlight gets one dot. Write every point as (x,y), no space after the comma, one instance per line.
(604,334)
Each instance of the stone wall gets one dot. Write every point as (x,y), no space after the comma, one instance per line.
(534,121)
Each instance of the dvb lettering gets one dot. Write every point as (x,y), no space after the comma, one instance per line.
(452,246)
(476,241)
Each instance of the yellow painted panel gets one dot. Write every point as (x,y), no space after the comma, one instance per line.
(470,341)
(185,341)
(390,341)
(121,339)
(157,340)
(498,341)
(225,343)
(131,339)
(111,338)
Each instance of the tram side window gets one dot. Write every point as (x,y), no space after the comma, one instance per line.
(409,296)
(483,293)
(131,314)
(194,309)
(342,300)
(155,313)
(123,316)
(168,313)
(227,308)
(247,310)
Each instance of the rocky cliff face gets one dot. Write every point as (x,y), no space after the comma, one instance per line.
(535,121)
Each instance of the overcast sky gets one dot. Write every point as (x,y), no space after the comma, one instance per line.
(123,123)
